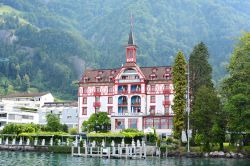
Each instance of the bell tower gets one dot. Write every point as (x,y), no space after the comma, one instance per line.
(131,47)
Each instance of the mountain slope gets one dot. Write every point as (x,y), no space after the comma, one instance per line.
(79,33)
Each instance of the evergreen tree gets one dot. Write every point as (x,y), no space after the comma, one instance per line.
(203,116)
(18,80)
(200,69)
(200,74)
(26,83)
(180,86)
(236,89)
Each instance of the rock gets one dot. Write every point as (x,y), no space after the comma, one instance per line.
(228,155)
(240,155)
(221,154)
(206,155)
(233,155)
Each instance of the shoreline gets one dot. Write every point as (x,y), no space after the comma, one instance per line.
(171,154)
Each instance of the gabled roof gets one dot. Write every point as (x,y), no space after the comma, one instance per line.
(104,75)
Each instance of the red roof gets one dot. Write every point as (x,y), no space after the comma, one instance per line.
(156,73)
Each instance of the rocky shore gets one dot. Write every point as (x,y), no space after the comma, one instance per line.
(215,154)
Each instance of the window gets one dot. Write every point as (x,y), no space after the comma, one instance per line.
(166,97)
(85,90)
(110,89)
(85,100)
(84,110)
(152,110)
(119,124)
(166,110)
(132,123)
(110,110)
(152,99)
(97,89)
(97,98)
(110,100)
(152,88)
(159,123)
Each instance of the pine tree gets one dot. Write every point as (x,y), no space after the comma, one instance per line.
(200,69)
(26,82)
(180,86)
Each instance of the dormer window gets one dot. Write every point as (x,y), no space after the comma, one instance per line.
(98,78)
(100,72)
(154,70)
(85,79)
(113,72)
(153,76)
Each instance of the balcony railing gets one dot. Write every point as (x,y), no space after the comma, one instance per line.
(128,114)
(135,91)
(135,103)
(97,93)
(166,102)
(122,92)
(123,104)
(167,91)
(97,104)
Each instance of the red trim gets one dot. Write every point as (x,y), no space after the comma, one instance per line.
(166,102)
(97,104)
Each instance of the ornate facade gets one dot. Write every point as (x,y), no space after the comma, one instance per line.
(133,96)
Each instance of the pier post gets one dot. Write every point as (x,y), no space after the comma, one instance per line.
(72,150)
(86,151)
(109,152)
(91,151)
(127,151)
(140,152)
(145,151)
(101,151)
(79,150)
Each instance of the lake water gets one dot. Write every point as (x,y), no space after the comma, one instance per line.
(47,159)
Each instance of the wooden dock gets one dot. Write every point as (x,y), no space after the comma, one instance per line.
(127,152)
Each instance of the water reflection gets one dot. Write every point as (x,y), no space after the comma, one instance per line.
(44,159)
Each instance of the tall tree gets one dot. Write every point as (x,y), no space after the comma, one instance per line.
(205,110)
(236,89)
(180,86)
(26,82)
(200,73)
(200,69)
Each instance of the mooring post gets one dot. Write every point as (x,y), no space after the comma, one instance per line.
(126,151)
(145,151)
(91,151)
(140,152)
(79,150)
(109,152)
(86,151)
(72,150)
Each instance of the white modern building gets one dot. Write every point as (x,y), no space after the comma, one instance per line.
(22,107)
(133,96)
(66,111)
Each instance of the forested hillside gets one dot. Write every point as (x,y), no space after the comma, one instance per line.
(46,44)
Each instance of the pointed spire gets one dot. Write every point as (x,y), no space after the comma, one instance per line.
(131,36)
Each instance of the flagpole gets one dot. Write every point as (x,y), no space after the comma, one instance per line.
(188,109)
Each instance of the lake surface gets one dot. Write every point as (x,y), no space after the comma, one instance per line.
(45,159)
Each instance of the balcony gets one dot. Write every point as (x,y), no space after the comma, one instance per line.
(135,91)
(97,93)
(167,91)
(135,103)
(97,104)
(122,92)
(166,102)
(127,114)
